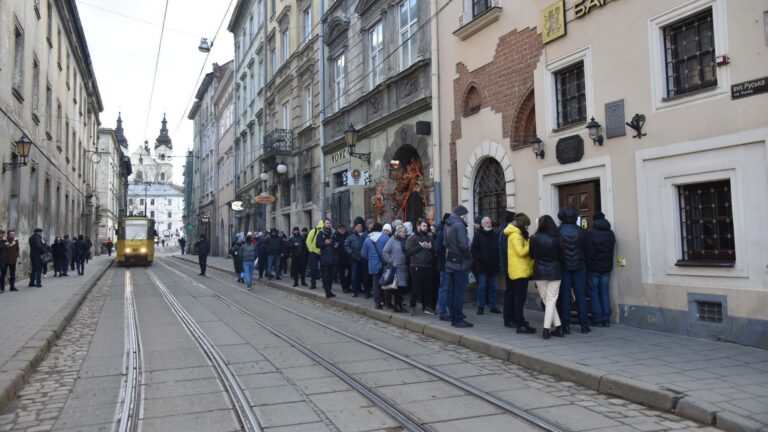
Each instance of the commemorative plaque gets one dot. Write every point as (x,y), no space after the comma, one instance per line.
(614,119)
(570,149)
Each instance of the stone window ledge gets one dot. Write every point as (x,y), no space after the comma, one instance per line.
(479,23)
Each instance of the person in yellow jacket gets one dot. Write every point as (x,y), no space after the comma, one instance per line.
(314,254)
(519,270)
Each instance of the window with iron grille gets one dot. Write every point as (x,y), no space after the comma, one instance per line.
(490,191)
(706,224)
(479,7)
(307,180)
(340,179)
(689,47)
(571,95)
(709,311)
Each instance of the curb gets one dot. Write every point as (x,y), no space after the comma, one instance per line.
(607,383)
(16,371)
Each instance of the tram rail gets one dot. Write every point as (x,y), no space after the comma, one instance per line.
(131,395)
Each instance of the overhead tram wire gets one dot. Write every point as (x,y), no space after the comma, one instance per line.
(202,68)
(129,17)
(157,63)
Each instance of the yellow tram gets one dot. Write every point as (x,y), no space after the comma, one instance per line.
(135,240)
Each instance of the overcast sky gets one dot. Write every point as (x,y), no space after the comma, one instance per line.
(123,38)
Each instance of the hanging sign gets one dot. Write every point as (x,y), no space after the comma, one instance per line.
(357,178)
(264,199)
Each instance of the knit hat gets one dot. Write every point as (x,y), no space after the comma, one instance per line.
(387,227)
(369,222)
(396,223)
(522,219)
(460,211)
(509,216)
(401,228)
(479,219)
(359,220)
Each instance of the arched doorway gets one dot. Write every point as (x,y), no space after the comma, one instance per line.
(407,173)
(489,189)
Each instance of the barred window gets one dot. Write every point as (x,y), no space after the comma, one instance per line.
(706,224)
(490,191)
(307,179)
(689,47)
(479,7)
(571,95)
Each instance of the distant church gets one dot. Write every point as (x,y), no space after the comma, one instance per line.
(149,168)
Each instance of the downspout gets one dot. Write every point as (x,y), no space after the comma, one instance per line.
(435,82)
(324,198)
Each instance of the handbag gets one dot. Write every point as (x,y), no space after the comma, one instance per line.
(388,276)
(391,286)
(46,257)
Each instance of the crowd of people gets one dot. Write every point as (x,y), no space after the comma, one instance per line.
(433,265)
(65,254)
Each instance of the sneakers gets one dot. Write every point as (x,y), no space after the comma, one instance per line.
(462,324)
(429,311)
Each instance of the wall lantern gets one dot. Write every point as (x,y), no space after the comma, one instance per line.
(594,132)
(350,135)
(537,146)
(264,177)
(281,168)
(23,146)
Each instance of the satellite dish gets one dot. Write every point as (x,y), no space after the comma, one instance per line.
(237,205)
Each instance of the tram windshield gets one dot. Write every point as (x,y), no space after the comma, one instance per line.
(135,230)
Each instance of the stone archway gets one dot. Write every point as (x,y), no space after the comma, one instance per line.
(486,149)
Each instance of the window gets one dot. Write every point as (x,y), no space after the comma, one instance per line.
(285,42)
(130,201)
(308,103)
(152,213)
(490,190)
(162,177)
(58,47)
(338,86)
(479,7)
(170,203)
(260,12)
(66,139)
(307,21)
(286,110)
(251,30)
(272,61)
(237,52)
(376,40)
(261,73)
(58,125)
(340,179)
(170,215)
(141,201)
(49,25)
(152,201)
(18,63)
(706,224)
(272,7)
(307,180)
(48,109)
(285,192)
(35,87)
(408,19)
(472,101)
(571,95)
(66,68)
(689,47)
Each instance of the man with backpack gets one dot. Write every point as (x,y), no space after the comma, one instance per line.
(314,254)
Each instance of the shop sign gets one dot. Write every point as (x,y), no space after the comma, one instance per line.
(264,199)
(552,21)
(749,88)
(357,178)
(570,149)
(583,7)
(339,155)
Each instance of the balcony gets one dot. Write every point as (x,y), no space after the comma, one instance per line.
(277,143)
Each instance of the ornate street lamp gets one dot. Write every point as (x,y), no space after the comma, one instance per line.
(351,135)
(594,132)
(23,147)
(537,146)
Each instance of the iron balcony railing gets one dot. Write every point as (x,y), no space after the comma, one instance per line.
(279,142)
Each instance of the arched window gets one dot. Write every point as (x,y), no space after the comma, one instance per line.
(490,191)
(472,101)
(524,126)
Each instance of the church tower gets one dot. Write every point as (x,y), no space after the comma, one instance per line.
(163,145)
(122,141)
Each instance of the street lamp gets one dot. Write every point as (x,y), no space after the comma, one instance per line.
(205,46)
(351,135)
(23,146)
(594,132)
(281,168)
(537,147)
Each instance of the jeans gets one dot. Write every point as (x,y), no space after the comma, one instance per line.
(313,261)
(599,292)
(378,295)
(442,294)
(573,281)
(342,274)
(36,275)
(273,263)
(457,285)
(486,288)
(365,277)
(421,283)
(355,270)
(80,265)
(248,273)
(327,272)
(65,266)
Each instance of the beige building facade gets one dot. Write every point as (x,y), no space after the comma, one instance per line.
(683,184)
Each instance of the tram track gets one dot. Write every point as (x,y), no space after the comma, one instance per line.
(131,394)
(462,385)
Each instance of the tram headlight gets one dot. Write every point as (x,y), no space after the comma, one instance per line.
(143,250)
(127,250)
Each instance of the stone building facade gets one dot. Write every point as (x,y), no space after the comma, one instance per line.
(110,182)
(223,105)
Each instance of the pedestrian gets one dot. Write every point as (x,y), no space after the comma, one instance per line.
(284,246)
(353,246)
(203,249)
(297,250)
(109,246)
(69,254)
(46,255)
(419,251)
(262,254)
(509,290)
(485,259)
(248,254)
(3,255)
(458,260)
(273,243)
(314,254)
(81,253)
(324,242)
(182,244)
(573,239)
(11,259)
(36,251)
(394,255)
(237,260)
(545,251)
(341,270)
(365,277)
(88,252)
(519,270)
(162,243)
(59,256)
(442,288)
(373,248)
(599,264)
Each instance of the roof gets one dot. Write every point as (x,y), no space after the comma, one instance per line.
(155,189)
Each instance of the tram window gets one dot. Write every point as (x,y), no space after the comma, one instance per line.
(135,230)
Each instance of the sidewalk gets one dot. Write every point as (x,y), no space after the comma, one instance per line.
(715,383)
(33,318)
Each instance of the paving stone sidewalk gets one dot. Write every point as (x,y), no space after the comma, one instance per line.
(33,318)
(715,383)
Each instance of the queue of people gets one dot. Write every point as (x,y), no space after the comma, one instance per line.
(432,266)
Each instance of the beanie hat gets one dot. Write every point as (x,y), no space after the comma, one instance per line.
(369,222)
(479,219)
(387,227)
(522,219)
(460,211)
(359,220)
(509,216)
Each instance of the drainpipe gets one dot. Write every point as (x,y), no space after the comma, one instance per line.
(435,82)
(324,198)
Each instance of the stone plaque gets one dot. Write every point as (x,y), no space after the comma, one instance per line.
(570,149)
(614,119)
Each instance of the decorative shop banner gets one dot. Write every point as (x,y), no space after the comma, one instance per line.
(357,178)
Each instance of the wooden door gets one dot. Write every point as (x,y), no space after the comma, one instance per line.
(584,198)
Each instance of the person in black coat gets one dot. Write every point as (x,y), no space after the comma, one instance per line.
(573,239)
(262,253)
(36,251)
(237,260)
(485,259)
(203,249)
(273,243)
(324,242)
(442,287)
(599,263)
(545,251)
(341,271)
(297,250)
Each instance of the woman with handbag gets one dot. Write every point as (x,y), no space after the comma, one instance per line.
(394,255)
(372,251)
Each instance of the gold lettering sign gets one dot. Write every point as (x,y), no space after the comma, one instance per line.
(552,21)
(583,7)
(339,155)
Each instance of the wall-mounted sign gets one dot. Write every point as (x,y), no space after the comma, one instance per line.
(570,149)
(339,155)
(264,199)
(749,88)
(552,21)
(583,7)
(357,178)
(614,119)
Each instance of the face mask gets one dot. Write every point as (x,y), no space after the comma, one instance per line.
(488,229)
(466,218)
